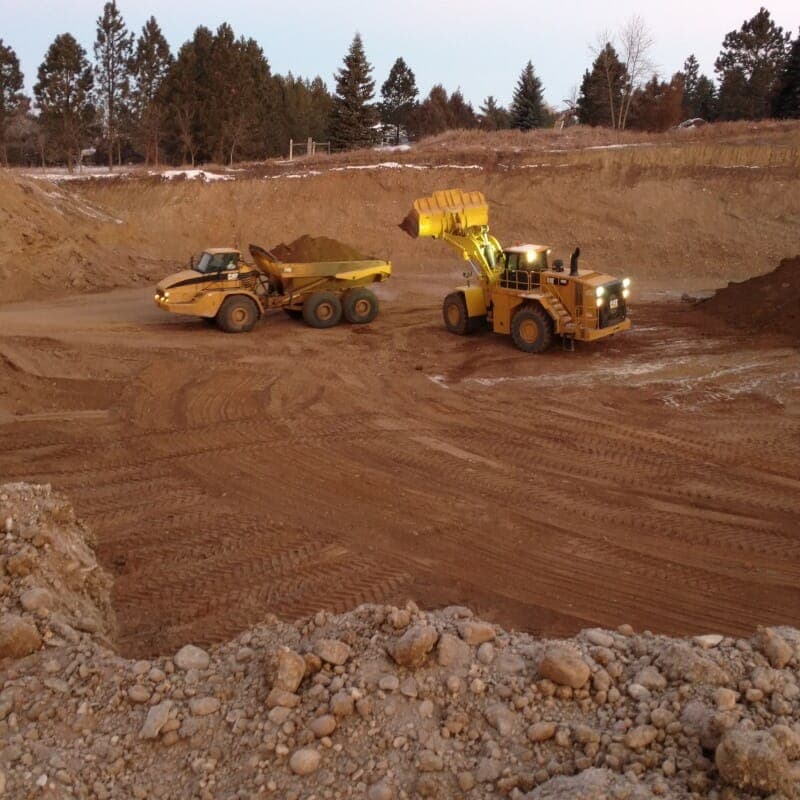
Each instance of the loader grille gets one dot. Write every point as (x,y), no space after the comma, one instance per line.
(614,310)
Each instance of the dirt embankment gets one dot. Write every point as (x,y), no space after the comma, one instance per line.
(383,702)
(765,304)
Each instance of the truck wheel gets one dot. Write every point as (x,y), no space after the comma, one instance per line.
(532,329)
(238,314)
(360,306)
(322,310)
(456,317)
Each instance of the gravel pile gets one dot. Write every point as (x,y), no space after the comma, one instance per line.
(315,248)
(381,703)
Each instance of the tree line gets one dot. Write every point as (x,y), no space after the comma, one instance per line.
(217,99)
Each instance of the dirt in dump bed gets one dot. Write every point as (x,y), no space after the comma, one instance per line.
(769,303)
(316,248)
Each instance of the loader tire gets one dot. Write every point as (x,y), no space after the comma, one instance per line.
(456,317)
(238,314)
(322,310)
(532,329)
(359,306)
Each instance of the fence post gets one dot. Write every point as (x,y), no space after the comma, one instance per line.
(291,148)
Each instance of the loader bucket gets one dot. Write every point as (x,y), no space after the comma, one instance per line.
(449,211)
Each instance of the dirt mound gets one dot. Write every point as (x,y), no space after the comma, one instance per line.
(767,303)
(388,702)
(315,248)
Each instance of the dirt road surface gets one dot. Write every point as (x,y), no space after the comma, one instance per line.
(653,478)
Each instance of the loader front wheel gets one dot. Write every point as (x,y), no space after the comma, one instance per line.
(322,310)
(456,317)
(532,329)
(238,315)
(360,306)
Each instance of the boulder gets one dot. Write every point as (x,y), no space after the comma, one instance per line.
(753,761)
(19,637)
(564,666)
(412,648)
(332,651)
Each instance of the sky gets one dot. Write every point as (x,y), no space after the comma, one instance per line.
(478,46)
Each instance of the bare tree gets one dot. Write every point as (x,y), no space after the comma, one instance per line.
(636,42)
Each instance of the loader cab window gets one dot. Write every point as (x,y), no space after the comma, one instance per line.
(216,262)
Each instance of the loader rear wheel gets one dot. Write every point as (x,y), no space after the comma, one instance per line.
(238,315)
(532,329)
(360,306)
(456,316)
(322,310)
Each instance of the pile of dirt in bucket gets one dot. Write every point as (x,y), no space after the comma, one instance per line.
(767,303)
(311,248)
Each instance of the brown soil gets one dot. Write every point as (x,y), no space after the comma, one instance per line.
(768,303)
(310,248)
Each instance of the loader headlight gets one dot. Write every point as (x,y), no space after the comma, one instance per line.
(530,255)
(600,291)
(599,302)
(626,282)
(625,293)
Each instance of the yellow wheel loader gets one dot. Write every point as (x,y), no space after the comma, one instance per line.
(223,288)
(518,292)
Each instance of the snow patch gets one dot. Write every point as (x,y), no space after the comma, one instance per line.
(193,175)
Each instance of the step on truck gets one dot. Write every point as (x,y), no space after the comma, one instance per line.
(223,288)
(518,292)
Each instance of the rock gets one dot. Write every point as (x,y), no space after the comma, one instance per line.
(389,683)
(306,760)
(564,666)
(681,663)
(788,739)
(485,654)
(452,651)
(323,726)
(501,718)
(591,784)
(400,618)
(474,632)
(291,671)
(466,781)
(203,706)
(138,694)
(18,637)
(191,657)
(429,761)
(509,664)
(488,770)
(753,760)
(157,717)
(412,648)
(541,731)
(342,704)
(36,599)
(332,651)
(777,650)
(708,640)
(599,637)
(638,692)
(278,697)
(640,737)
(380,791)
(409,687)
(725,699)
(650,678)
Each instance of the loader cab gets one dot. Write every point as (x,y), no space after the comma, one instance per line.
(524,264)
(217,260)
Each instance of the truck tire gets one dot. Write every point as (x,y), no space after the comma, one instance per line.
(238,314)
(322,310)
(532,329)
(456,317)
(360,306)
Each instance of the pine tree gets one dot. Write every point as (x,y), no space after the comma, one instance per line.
(399,93)
(786,102)
(63,96)
(353,115)
(493,117)
(150,66)
(749,65)
(11,97)
(527,107)
(602,89)
(460,113)
(699,93)
(113,48)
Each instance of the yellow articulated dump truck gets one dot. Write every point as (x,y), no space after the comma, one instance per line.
(518,292)
(223,288)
